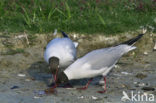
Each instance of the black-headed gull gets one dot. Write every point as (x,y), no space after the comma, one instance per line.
(60,53)
(97,62)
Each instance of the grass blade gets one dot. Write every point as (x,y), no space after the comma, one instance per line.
(27,18)
(101,19)
(68,10)
(60,12)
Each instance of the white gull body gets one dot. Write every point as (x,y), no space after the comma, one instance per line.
(62,48)
(97,62)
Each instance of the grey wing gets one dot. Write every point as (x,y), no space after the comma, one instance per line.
(103,57)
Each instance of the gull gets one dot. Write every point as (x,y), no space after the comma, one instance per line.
(97,62)
(60,53)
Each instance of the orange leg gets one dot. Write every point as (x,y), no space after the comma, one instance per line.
(55,78)
(86,86)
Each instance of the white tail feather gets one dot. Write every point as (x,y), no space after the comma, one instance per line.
(76,44)
(132,48)
(129,48)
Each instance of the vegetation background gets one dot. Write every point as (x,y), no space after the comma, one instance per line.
(80,16)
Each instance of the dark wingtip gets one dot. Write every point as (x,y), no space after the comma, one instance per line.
(140,35)
(64,34)
(133,40)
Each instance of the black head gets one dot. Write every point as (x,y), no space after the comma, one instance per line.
(54,64)
(61,77)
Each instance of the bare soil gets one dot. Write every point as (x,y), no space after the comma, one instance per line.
(24,73)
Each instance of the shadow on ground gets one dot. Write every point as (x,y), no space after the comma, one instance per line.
(39,71)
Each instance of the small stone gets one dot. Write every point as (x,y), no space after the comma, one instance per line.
(123,85)
(141,76)
(126,73)
(148,88)
(39,93)
(117,66)
(138,84)
(21,75)
(145,53)
(36,97)
(14,87)
(27,80)
(80,97)
(141,84)
(133,53)
(95,98)
(135,82)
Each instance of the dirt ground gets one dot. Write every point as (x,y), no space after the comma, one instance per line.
(24,75)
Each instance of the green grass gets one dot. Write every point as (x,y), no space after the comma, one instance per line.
(13,51)
(81,16)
